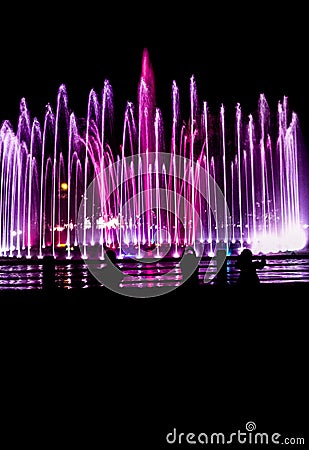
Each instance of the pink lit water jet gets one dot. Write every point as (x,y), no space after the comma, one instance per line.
(148,197)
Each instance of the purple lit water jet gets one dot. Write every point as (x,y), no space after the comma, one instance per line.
(64,185)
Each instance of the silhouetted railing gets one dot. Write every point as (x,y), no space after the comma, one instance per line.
(52,273)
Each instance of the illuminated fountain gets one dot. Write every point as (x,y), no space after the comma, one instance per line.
(64,186)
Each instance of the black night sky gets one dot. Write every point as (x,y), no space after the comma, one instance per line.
(235,53)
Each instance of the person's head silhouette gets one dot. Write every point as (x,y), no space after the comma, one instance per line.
(245,256)
(248,267)
(189,264)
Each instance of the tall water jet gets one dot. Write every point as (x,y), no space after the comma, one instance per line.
(221,181)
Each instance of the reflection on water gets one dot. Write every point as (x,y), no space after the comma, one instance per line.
(141,275)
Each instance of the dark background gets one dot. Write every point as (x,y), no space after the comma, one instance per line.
(235,52)
(91,367)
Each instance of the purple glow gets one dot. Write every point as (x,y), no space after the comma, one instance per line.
(256,166)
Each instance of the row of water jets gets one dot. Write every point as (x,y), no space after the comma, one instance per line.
(218,182)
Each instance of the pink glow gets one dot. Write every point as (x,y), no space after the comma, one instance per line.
(150,194)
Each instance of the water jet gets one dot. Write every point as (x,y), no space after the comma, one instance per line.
(221,182)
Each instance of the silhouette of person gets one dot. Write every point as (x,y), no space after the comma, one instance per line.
(49,272)
(112,276)
(189,265)
(248,268)
(221,262)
